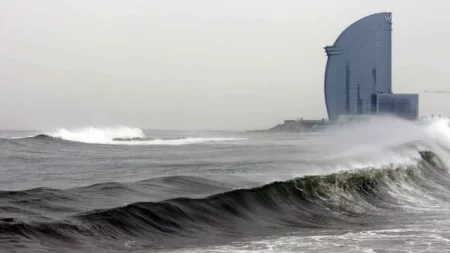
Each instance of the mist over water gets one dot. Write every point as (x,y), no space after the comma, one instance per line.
(380,184)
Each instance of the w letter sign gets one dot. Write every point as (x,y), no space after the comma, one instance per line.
(388,18)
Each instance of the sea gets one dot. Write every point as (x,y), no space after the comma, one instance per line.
(377,185)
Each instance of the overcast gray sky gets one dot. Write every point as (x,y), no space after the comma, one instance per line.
(192,64)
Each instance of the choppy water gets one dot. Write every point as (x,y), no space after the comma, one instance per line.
(376,186)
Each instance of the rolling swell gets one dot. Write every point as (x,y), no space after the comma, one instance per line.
(334,200)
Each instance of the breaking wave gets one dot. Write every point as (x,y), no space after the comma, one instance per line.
(356,197)
(98,135)
(124,136)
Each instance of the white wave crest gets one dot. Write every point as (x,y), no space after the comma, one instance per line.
(98,135)
(129,134)
(377,142)
(438,129)
(182,141)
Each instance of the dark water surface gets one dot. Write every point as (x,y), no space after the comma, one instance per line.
(376,186)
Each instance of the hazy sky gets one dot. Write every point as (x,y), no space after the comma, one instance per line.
(192,64)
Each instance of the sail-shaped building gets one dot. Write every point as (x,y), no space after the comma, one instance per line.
(358,76)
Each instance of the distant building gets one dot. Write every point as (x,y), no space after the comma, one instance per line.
(403,105)
(358,76)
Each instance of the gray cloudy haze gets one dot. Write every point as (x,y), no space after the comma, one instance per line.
(192,64)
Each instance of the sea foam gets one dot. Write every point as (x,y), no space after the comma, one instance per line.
(123,135)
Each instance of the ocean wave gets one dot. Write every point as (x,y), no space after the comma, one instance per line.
(98,135)
(348,198)
(123,136)
(309,201)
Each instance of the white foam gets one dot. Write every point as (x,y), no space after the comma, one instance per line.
(384,240)
(182,141)
(98,135)
(110,135)
(377,142)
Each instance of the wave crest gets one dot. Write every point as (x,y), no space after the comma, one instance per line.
(98,135)
(333,200)
(122,136)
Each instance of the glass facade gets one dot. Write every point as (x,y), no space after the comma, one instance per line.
(358,66)
(401,105)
